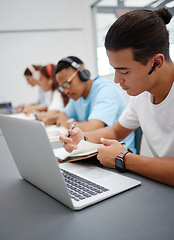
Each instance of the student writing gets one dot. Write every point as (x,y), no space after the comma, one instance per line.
(93,104)
(137,45)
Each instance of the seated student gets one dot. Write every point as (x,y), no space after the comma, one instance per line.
(48,82)
(32,75)
(137,45)
(94,103)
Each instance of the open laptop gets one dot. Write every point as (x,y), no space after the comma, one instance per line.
(36,163)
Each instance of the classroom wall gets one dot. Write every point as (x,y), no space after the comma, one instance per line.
(41,32)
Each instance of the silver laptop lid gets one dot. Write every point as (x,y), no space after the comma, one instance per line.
(33,155)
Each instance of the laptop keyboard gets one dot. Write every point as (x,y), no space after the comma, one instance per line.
(81,188)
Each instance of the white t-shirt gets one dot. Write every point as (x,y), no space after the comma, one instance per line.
(56,101)
(43,97)
(156,121)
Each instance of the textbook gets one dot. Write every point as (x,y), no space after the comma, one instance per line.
(84,150)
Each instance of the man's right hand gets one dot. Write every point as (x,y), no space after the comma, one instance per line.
(70,143)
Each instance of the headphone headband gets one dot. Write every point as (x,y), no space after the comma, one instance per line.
(71,62)
(84,74)
(35,73)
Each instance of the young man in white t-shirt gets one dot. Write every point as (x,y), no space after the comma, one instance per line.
(137,45)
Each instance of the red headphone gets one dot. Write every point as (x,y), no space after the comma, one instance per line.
(49,70)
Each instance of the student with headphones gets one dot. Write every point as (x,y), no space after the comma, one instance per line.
(48,83)
(137,45)
(32,75)
(94,103)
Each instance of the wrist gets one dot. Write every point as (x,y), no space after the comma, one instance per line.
(120,160)
(69,122)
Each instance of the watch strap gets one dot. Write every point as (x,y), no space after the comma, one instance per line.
(124,152)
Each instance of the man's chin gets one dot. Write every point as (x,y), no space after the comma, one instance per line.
(73,97)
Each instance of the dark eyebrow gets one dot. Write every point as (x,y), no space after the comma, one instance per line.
(122,68)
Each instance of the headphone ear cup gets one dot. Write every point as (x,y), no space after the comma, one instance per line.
(84,75)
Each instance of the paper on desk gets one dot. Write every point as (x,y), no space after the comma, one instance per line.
(54,132)
(23,116)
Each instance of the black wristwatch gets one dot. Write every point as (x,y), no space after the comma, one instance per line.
(119,160)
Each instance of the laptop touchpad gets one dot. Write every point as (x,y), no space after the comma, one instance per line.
(94,173)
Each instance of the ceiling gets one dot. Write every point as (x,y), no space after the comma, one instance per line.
(110,6)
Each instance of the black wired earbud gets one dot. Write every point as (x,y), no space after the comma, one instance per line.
(153,68)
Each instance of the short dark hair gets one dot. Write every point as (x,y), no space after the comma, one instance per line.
(143,31)
(62,64)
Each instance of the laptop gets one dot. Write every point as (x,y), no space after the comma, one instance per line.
(6,108)
(36,163)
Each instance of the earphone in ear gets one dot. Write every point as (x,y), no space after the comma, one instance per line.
(153,68)
(84,74)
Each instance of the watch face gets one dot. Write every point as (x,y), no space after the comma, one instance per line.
(119,162)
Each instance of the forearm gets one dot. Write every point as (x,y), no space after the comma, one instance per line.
(48,117)
(107,132)
(40,108)
(90,125)
(159,169)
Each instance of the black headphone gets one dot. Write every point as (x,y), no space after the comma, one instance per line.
(153,68)
(84,74)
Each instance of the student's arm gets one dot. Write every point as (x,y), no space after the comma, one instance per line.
(115,131)
(86,126)
(48,117)
(90,125)
(159,169)
(33,108)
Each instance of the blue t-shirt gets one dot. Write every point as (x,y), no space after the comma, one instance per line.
(104,102)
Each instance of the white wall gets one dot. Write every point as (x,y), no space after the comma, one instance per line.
(41,32)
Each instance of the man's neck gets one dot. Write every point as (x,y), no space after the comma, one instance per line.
(164,84)
(88,86)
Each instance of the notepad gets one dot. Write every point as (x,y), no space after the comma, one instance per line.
(84,150)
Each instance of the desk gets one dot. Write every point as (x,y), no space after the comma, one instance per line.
(26,213)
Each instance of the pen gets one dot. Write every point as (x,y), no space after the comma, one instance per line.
(38,119)
(122,143)
(72,127)
(36,116)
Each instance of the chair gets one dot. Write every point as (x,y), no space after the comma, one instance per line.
(138,138)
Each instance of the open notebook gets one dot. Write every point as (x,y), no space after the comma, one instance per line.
(84,150)
(33,155)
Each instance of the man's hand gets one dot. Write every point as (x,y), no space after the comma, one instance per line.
(70,143)
(62,120)
(108,152)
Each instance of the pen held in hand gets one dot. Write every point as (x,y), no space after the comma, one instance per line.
(36,117)
(72,127)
